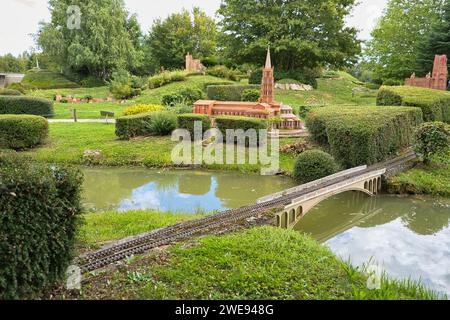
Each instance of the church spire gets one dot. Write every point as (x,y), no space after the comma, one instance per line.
(268,60)
(267,83)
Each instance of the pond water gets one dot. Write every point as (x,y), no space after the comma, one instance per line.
(406,236)
(125,189)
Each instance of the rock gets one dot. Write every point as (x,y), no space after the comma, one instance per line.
(294,87)
(92,155)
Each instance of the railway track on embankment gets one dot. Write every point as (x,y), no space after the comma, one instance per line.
(213,224)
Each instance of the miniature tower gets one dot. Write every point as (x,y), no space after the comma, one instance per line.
(268,82)
(440,72)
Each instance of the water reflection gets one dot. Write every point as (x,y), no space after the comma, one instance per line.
(407,236)
(187,191)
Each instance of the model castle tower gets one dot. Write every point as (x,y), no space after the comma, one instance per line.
(440,72)
(268,82)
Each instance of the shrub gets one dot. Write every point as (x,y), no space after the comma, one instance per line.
(313,165)
(235,123)
(39,214)
(430,139)
(162,123)
(142,108)
(125,86)
(91,82)
(187,121)
(133,126)
(305,76)
(187,97)
(166,77)
(435,104)
(228,93)
(44,79)
(26,105)
(251,95)
(392,82)
(9,92)
(22,131)
(363,135)
(18,87)
(223,72)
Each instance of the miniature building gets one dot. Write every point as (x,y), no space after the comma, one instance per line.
(439,79)
(264,109)
(193,65)
(8,78)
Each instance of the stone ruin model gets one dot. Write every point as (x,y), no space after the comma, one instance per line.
(436,81)
(193,65)
(266,108)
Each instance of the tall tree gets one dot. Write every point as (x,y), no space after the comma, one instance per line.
(437,42)
(301,33)
(404,23)
(171,39)
(106,40)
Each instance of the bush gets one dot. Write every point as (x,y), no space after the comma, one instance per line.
(313,165)
(133,126)
(22,131)
(43,79)
(26,105)
(187,97)
(223,72)
(305,76)
(393,82)
(431,139)
(9,92)
(250,95)
(163,123)
(125,86)
(435,104)
(142,108)
(363,135)
(235,123)
(91,82)
(187,121)
(39,213)
(166,77)
(18,87)
(228,93)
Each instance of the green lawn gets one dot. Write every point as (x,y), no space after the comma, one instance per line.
(261,263)
(68,142)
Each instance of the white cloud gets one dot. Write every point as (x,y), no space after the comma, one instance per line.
(20,18)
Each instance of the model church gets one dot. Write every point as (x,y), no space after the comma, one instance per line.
(266,108)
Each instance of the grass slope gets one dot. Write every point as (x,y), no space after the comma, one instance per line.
(45,79)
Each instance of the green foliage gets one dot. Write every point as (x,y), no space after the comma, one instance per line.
(313,165)
(228,92)
(363,135)
(305,76)
(9,92)
(398,33)
(171,39)
(166,77)
(125,86)
(22,131)
(91,82)
(105,42)
(39,214)
(435,104)
(141,108)
(251,95)
(44,79)
(186,97)
(18,87)
(223,72)
(250,25)
(223,123)
(162,123)
(26,105)
(11,64)
(187,121)
(432,138)
(393,82)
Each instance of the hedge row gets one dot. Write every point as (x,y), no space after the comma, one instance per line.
(228,93)
(363,135)
(22,131)
(435,104)
(158,123)
(39,212)
(26,105)
(235,123)
(187,121)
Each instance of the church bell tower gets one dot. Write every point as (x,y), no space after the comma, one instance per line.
(268,82)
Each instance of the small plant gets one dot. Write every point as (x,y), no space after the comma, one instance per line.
(223,72)
(124,86)
(250,95)
(163,123)
(142,108)
(312,165)
(431,139)
(186,97)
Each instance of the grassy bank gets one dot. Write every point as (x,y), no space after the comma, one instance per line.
(261,263)
(68,142)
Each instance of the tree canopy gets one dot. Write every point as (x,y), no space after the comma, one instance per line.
(301,33)
(171,39)
(393,48)
(106,41)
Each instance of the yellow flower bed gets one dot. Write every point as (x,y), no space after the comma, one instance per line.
(142,108)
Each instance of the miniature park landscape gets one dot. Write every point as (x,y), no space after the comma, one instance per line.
(89,153)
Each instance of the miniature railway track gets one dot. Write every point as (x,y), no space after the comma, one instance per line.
(186,230)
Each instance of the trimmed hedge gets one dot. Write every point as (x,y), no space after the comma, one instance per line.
(39,213)
(229,122)
(187,121)
(363,135)
(26,105)
(435,104)
(22,131)
(228,93)
(133,126)
(313,165)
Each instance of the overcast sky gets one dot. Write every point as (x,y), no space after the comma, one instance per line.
(19,18)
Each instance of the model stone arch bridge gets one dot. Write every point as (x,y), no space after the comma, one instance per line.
(357,179)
